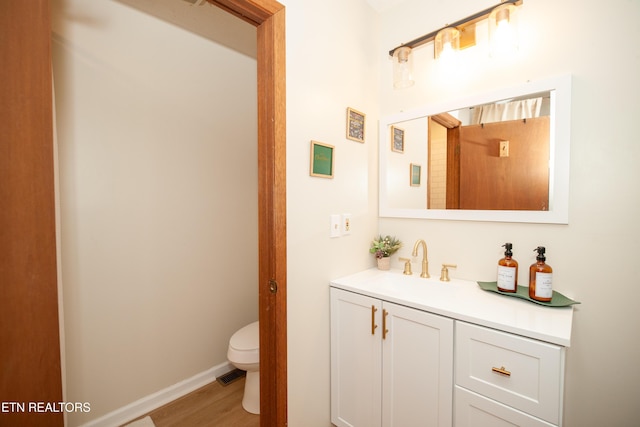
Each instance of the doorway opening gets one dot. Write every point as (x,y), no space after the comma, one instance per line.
(35,154)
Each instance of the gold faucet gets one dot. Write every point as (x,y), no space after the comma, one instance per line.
(407,267)
(425,261)
(444,273)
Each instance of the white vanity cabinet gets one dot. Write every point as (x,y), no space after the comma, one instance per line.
(390,365)
(407,351)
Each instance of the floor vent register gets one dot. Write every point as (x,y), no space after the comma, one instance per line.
(230,377)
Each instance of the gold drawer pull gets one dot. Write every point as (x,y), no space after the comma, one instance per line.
(373,319)
(502,371)
(385,331)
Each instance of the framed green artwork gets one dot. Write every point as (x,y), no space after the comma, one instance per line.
(414,174)
(322,157)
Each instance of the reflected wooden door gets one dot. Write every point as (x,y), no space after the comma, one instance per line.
(516,180)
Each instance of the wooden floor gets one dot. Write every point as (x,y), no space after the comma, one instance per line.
(211,405)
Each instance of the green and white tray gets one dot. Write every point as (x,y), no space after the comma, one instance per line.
(522,292)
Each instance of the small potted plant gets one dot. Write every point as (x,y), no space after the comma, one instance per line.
(383,248)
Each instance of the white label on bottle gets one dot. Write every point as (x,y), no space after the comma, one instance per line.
(506,278)
(544,288)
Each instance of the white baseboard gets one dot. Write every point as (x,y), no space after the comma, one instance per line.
(153,401)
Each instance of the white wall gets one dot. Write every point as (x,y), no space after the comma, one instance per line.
(332,64)
(158,174)
(401,195)
(594,257)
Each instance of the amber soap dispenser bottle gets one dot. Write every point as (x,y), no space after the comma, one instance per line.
(540,278)
(508,271)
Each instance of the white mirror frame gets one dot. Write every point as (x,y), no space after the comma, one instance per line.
(560,141)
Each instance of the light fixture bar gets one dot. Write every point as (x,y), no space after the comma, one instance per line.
(461,23)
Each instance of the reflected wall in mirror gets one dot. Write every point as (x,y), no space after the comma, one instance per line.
(500,156)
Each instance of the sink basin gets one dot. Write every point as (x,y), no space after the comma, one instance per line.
(462,300)
(393,284)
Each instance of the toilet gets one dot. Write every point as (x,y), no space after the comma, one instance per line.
(244,353)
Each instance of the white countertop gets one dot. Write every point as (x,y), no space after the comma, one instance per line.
(464,300)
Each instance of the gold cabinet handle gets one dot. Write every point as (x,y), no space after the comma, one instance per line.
(385,331)
(502,371)
(373,319)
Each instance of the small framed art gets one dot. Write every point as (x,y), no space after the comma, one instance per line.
(321,160)
(397,139)
(415,172)
(355,125)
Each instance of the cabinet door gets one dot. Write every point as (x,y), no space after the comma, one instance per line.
(355,360)
(474,410)
(417,372)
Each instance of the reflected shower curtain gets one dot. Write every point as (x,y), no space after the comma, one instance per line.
(514,110)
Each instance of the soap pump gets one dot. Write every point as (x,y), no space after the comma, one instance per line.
(507,271)
(540,278)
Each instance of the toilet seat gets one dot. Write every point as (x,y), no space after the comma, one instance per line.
(244,345)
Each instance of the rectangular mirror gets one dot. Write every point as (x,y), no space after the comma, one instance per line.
(498,156)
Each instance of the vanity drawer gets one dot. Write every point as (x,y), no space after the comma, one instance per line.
(519,372)
(473,410)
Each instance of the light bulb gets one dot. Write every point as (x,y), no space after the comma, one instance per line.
(447,52)
(446,43)
(503,31)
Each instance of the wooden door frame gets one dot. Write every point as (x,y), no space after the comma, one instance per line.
(452,124)
(31,371)
(30,359)
(269,18)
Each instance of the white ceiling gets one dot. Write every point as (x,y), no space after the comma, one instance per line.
(381,5)
(204,19)
(213,23)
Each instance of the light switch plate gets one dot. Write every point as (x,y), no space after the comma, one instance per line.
(504,148)
(334,231)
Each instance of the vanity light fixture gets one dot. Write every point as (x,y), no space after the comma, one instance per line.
(402,68)
(459,35)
